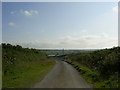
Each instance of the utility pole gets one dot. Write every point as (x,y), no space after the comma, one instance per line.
(63,51)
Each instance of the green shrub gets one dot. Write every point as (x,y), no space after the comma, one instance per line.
(103,66)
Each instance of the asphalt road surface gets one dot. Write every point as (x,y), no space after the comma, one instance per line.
(63,75)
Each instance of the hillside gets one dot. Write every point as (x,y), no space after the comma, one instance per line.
(98,67)
(22,67)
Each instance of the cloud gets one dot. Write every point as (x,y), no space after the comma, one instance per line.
(90,41)
(12,24)
(115,9)
(71,42)
(29,12)
(12,12)
(39,44)
(84,31)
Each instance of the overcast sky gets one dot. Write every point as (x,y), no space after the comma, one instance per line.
(83,25)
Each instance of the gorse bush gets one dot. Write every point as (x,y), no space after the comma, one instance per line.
(106,62)
(22,67)
(12,56)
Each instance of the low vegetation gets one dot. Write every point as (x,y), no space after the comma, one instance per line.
(23,67)
(98,67)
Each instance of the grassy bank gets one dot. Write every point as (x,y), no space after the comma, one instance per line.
(99,68)
(0,79)
(23,67)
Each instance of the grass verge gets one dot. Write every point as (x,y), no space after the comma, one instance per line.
(28,76)
(94,77)
(23,67)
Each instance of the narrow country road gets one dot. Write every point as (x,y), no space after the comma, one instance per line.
(63,75)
